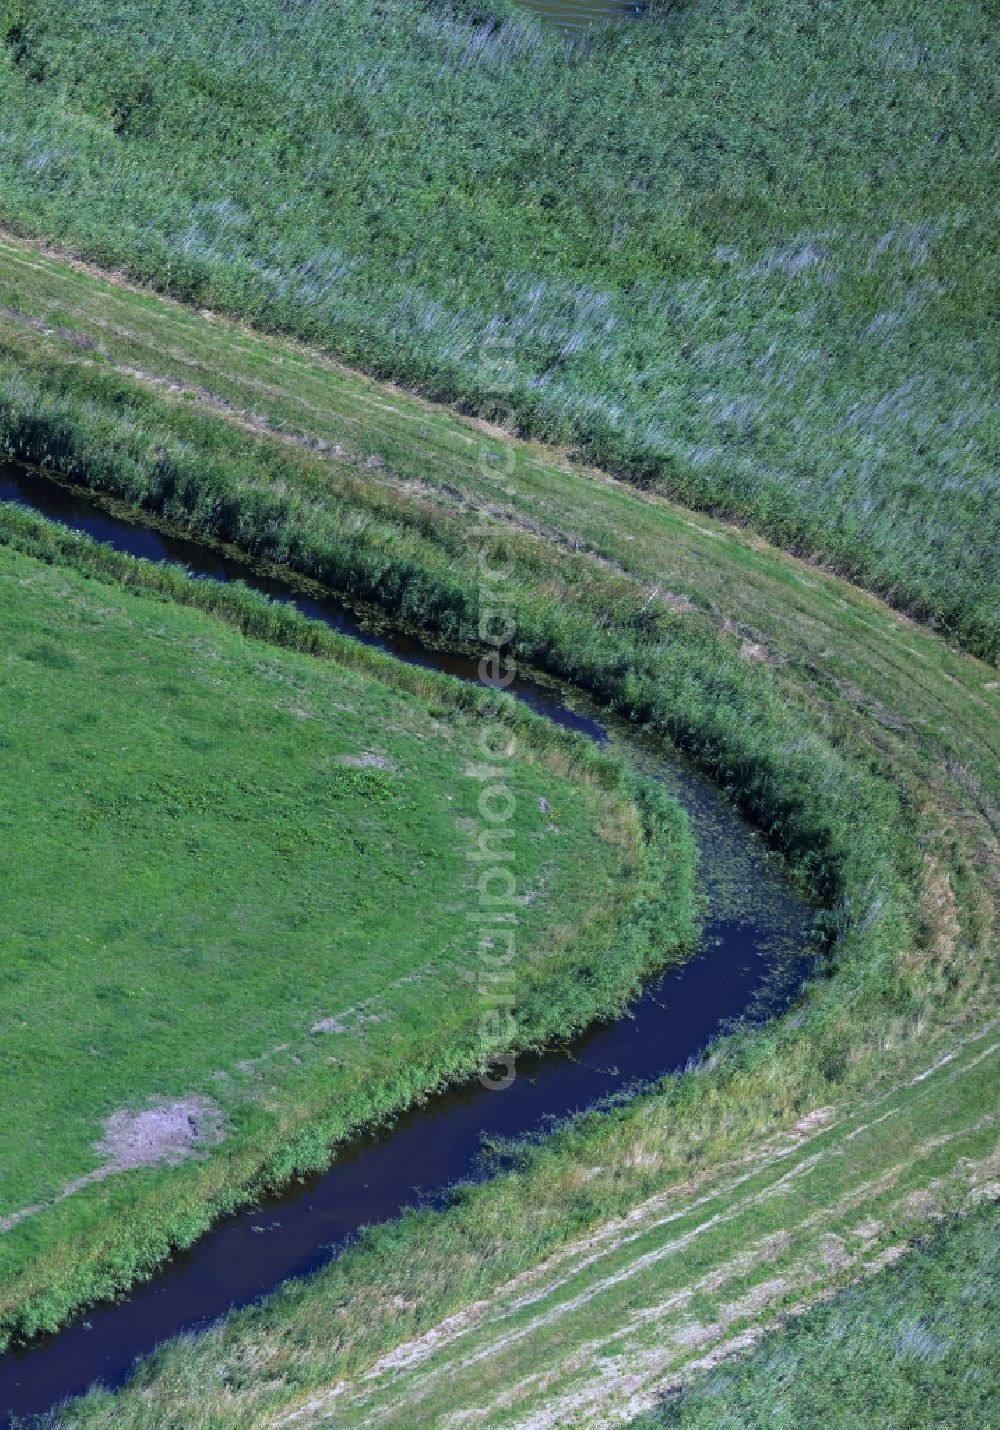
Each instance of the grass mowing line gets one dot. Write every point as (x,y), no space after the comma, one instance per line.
(675,536)
(654,1361)
(409,1356)
(870,1193)
(914,1346)
(353,389)
(240,416)
(450,499)
(305,1103)
(82,307)
(407,1390)
(637,1264)
(639,1380)
(431,462)
(632,1374)
(406,1358)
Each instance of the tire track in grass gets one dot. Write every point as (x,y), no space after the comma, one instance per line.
(419,1367)
(765,1250)
(612,1236)
(619,1373)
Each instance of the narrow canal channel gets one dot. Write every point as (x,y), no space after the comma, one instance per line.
(750,961)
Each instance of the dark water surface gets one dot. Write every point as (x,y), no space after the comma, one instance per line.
(750,961)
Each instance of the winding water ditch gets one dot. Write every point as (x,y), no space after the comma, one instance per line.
(750,961)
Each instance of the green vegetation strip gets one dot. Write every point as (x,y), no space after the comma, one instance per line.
(236,898)
(743,254)
(593,624)
(911,1349)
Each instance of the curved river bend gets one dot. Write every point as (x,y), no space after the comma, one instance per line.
(750,962)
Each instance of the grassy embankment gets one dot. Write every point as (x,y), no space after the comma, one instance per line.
(862,741)
(236,889)
(743,255)
(914,1348)
(648,1278)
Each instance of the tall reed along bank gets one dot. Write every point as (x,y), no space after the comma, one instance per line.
(258,889)
(738,252)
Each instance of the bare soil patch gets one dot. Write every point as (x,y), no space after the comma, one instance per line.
(162,1134)
(167,1132)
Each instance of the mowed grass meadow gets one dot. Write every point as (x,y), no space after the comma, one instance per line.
(741,252)
(236,883)
(915,1347)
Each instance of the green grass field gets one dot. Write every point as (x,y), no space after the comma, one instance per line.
(741,254)
(237,885)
